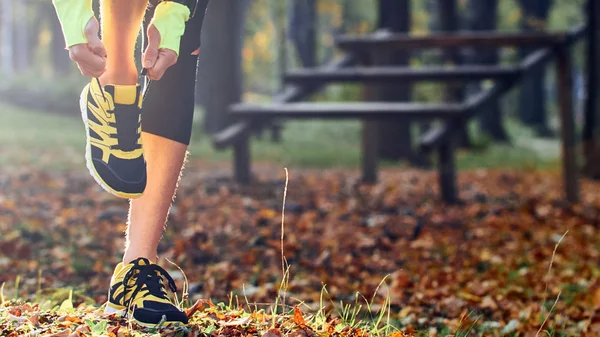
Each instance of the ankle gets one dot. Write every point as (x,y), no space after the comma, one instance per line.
(133,255)
(119,78)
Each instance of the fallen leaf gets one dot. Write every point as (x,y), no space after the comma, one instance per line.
(192,310)
(298,318)
(63,333)
(236,322)
(272,333)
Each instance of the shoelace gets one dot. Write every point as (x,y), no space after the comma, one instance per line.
(128,124)
(149,276)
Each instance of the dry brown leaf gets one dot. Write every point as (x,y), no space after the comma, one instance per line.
(488,303)
(63,333)
(299,333)
(273,332)
(298,318)
(236,322)
(199,305)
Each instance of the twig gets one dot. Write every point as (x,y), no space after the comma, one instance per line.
(551,263)
(185,290)
(554,254)
(548,280)
(549,313)
(283,262)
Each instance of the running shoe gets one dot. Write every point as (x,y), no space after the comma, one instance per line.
(114,155)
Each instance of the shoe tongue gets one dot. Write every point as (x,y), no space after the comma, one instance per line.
(123,94)
(141,261)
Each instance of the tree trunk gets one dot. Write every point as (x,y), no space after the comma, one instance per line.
(220,61)
(21,54)
(395,141)
(533,96)
(483,17)
(278,14)
(61,64)
(448,22)
(303,30)
(6,28)
(591,129)
(35,13)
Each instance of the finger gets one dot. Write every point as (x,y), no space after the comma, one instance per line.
(97,46)
(88,59)
(94,66)
(151,54)
(94,42)
(86,71)
(166,59)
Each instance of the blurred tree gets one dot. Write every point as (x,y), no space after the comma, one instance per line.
(260,50)
(533,96)
(220,62)
(302,30)
(449,22)
(395,138)
(334,17)
(279,11)
(21,38)
(591,129)
(483,17)
(61,64)
(6,36)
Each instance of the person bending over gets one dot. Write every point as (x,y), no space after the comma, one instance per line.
(137,140)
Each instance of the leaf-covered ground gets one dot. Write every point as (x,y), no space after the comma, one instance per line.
(483,266)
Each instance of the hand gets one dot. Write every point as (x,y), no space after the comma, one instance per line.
(90,57)
(155,60)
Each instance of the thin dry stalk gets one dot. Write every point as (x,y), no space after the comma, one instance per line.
(283,261)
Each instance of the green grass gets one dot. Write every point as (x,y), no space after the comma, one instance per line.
(29,137)
(34,138)
(58,304)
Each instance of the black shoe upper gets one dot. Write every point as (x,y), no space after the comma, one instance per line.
(110,159)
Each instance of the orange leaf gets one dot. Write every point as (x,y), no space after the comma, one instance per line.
(197,306)
(298,318)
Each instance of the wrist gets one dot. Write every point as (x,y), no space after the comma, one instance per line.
(169,19)
(190,4)
(74,15)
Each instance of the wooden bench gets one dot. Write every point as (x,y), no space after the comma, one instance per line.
(387,74)
(231,135)
(369,112)
(360,110)
(382,41)
(373,50)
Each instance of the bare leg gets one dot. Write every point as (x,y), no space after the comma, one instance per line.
(121,21)
(148,214)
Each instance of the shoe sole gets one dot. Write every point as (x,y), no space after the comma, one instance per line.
(111,310)
(88,151)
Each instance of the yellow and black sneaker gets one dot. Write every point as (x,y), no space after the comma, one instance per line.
(114,155)
(137,291)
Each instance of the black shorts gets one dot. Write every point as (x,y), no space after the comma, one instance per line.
(168,109)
